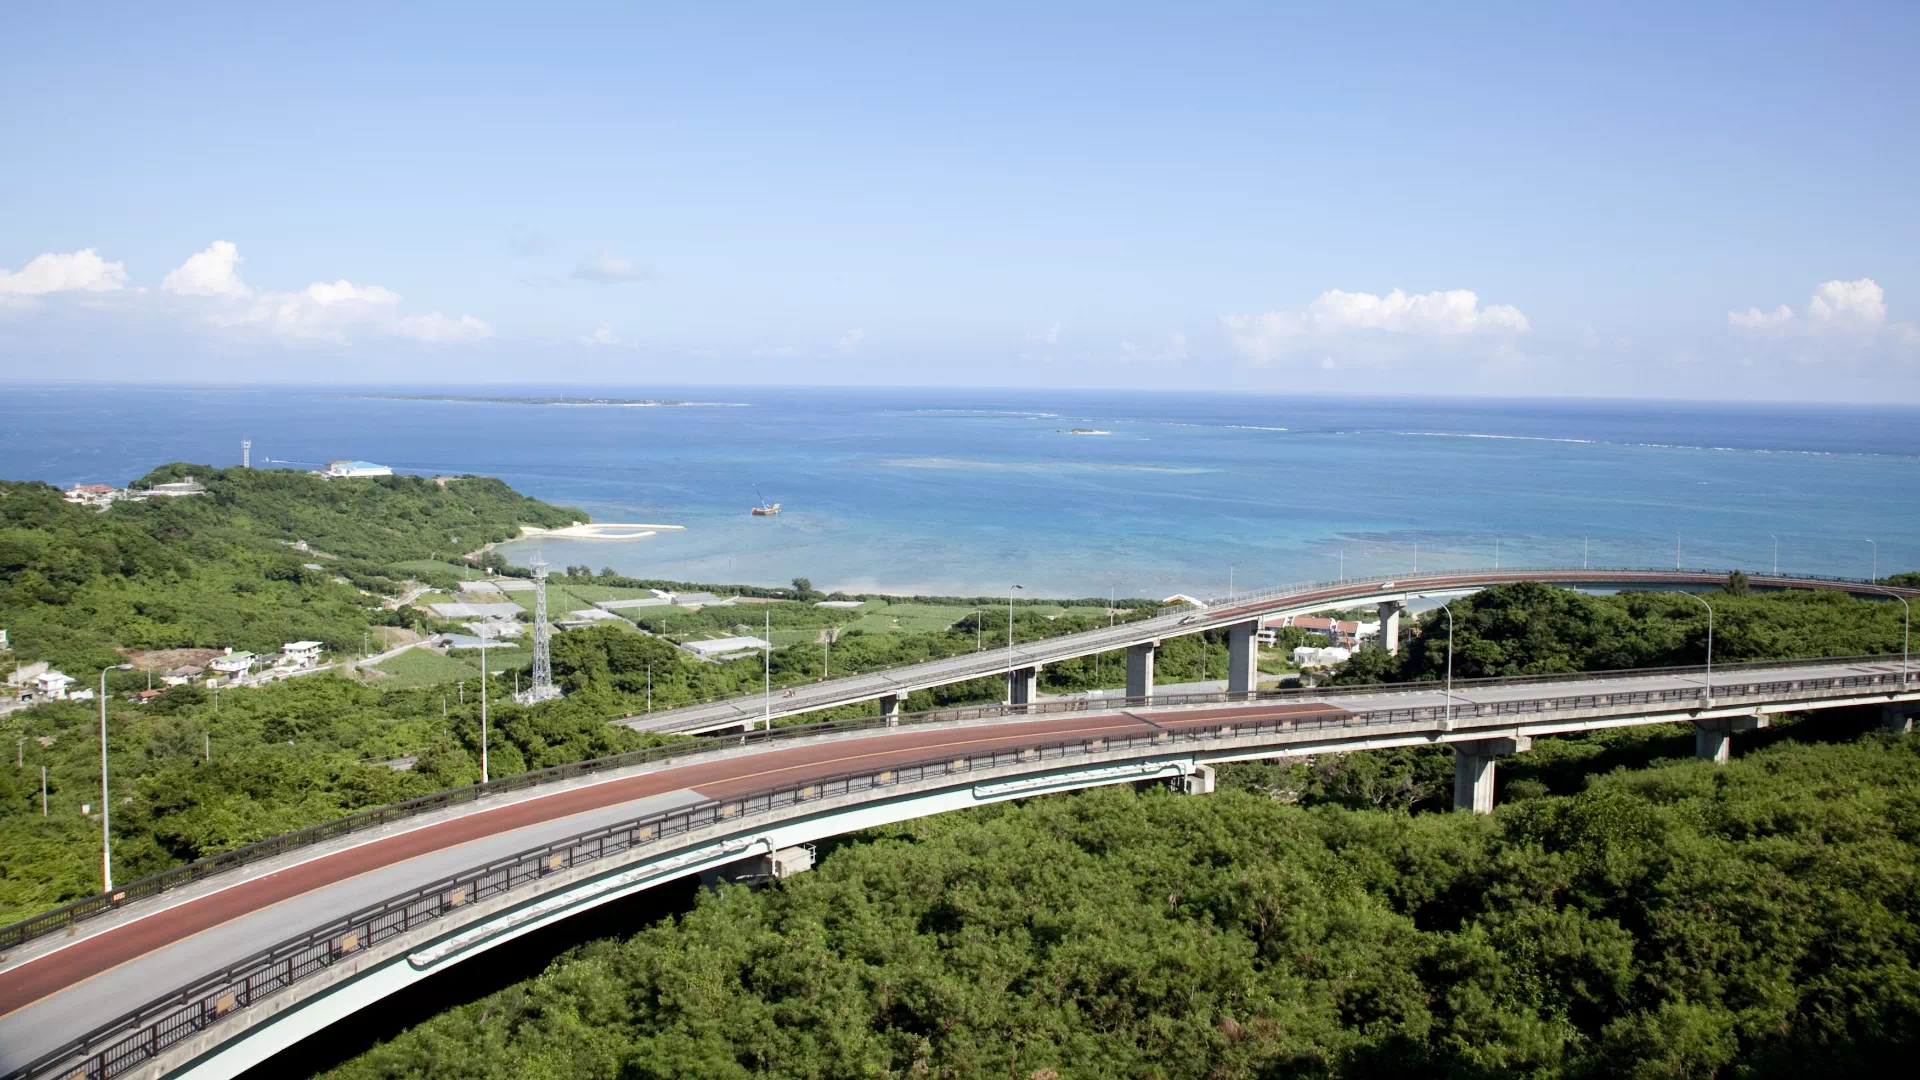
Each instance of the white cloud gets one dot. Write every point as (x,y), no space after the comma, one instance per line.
(607,268)
(213,272)
(1049,336)
(324,311)
(1847,307)
(602,336)
(1435,314)
(79,271)
(851,340)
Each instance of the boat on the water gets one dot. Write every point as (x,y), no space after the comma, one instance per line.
(764,508)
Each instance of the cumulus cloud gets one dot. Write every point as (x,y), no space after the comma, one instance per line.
(54,272)
(602,336)
(333,312)
(606,268)
(1049,336)
(1845,307)
(213,272)
(1446,313)
(851,340)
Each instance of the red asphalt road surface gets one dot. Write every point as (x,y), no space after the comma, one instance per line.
(82,960)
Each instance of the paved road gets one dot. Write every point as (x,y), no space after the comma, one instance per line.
(995,662)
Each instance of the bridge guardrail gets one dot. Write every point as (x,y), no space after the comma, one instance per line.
(77,911)
(155,1027)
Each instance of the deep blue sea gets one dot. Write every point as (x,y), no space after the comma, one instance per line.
(970,491)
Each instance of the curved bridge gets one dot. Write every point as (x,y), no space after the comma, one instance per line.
(212,976)
(1240,615)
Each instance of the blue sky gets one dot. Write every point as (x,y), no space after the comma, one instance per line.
(1625,200)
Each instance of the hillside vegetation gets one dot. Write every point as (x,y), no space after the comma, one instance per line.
(217,569)
(1681,921)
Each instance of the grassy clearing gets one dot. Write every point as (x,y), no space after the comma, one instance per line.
(423,667)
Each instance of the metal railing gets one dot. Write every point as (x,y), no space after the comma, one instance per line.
(70,914)
(143,1033)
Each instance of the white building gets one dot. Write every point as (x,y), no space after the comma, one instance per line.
(233,663)
(720,648)
(301,653)
(1306,656)
(24,674)
(52,686)
(189,486)
(355,468)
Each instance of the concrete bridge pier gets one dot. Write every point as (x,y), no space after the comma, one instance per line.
(1713,739)
(1473,770)
(1243,657)
(1023,685)
(1897,716)
(890,707)
(1390,625)
(1140,669)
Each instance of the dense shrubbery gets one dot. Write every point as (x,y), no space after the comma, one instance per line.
(1681,921)
(1533,629)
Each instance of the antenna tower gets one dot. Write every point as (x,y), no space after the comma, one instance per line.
(246,453)
(542,688)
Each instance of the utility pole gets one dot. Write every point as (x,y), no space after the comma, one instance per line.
(1584,564)
(649,686)
(1776,554)
(43,791)
(767,675)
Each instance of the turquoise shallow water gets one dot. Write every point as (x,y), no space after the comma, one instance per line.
(972,491)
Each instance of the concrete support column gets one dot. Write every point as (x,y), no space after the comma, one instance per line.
(1713,739)
(890,707)
(1140,669)
(1390,625)
(1897,716)
(1023,685)
(1243,658)
(1197,782)
(1473,770)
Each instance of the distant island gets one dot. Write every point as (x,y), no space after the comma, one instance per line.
(630,403)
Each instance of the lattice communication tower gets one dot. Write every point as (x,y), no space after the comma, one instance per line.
(542,688)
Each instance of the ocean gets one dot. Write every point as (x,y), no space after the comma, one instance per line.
(974,491)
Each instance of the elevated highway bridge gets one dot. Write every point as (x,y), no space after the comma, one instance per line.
(210,969)
(1240,616)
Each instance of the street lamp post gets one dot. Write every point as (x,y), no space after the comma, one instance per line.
(1709,607)
(1876,561)
(1448,608)
(1906,637)
(1776,554)
(1584,564)
(106,837)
